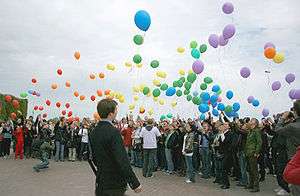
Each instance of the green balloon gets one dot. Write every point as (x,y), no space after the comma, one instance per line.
(189,97)
(169,115)
(203,86)
(156,92)
(195,53)
(203,48)
(196,100)
(193,44)
(137,59)
(179,83)
(219,92)
(179,93)
(228,109)
(23,95)
(191,77)
(175,84)
(146,90)
(186,92)
(164,87)
(162,117)
(154,64)
(182,79)
(187,85)
(208,80)
(138,39)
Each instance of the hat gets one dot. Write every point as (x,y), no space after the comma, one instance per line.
(150,121)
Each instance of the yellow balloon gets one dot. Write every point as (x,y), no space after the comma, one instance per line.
(161,102)
(142,86)
(190,71)
(139,65)
(122,99)
(135,98)
(136,89)
(279,57)
(128,64)
(180,50)
(161,74)
(110,67)
(181,72)
(150,112)
(156,82)
(174,103)
(155,99)
(131,107)
(149,94)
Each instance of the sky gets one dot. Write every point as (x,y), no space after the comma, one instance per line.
(38,37)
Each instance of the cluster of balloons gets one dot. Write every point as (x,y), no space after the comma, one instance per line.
(253,101)
(33,93)
(195,52)
(271,53)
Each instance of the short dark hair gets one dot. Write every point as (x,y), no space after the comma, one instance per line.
(105,107)
(297,107)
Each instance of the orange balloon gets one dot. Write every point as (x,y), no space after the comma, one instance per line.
(270,53)
(77,55)
(82,97)
(107,92)
(99,93)
(13,116)
(54,86)
(68,84)
(15,104)
(76,94)
(92,76)
(101,75)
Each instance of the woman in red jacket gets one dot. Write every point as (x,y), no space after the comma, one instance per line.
(18,133)
(292,173)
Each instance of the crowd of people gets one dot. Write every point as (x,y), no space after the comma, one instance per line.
(242,149)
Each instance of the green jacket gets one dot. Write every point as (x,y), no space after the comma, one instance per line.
(253,143)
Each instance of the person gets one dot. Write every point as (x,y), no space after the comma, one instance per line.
(60,139)
(126,132)
(109,155)
(1,139)
(7,136)
(28,138)
(170,144)
(19,135)
(72,134)
(217,155)
(83,132)
(137,145)
(149,135)
(187,151)
(205,145)
(252,151)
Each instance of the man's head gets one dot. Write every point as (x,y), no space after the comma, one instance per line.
(205,126)
(297,107)
(107,109)
(254,123)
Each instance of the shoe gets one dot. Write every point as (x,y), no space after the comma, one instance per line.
(254,190)
(282,192)
(188,181)
(277,190)
(225,187)
(36,169)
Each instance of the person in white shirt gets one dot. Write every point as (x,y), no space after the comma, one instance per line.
(187,151)
(83,132)
(149,135)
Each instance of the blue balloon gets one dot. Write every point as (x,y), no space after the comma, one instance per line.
(215,88)
(30,92)
(229,94)
(202,117)
(255,103)
(203,108)
(142,20)
(221,107)
(214,104)
(195,93)
(205,96)
(215,112)
(170,91)
(214,98)
(236,107)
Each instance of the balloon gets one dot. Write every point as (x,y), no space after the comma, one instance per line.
(8,98)
(203,86)
(189,97)
(193,44)
(214,98)
(181,72)
(180,50)
(229,94)
(203,108)
(135,98)
(54,86)
(70,113)
(187,85)
(93,97)
(228,109)
(215,112)
(107,92)
(278,58)
(164,87)
(30,92)
(67,105)
(128,64)
(131,107)
(77,55)
(255,103)
(36,107)
(297,94)
(191,77)
(186,92)
(195,93)
(150,112)
(161,102)
(215,88)
(99,93)
(140,65)
(82,97)
(195,53)
(146,90)
(292,93)
(92,76)
(23,95)
(13,116)
(76,94)
(250,99)
(269,45)
(182,79)
(48,102)
(174,103)
(33,80)
(170,91)
(245,72)
(110,67)
(213,40)
(169,115)
(161,74)
(205,96)
(142,20)
(45,115)
(156,82)
(59,72)
(156,92)
(138,39)
(154,64)
(222,41)
(63,112)
(68,84)
(276,85)
(202,117)
(289,78)
(101,75)
(265,112)
(198,66)
(227,8)
(203,48)
(179,83)
(58,104)
(228,31)
(175,84)
(162,117)
(208,80)
(196,100)
(221,107)
(270,53)
(41,108)
(15,104)
(236,107)
(179,93)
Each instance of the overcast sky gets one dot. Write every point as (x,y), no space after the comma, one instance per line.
(38,37)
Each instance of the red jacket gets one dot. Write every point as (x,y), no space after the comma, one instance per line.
(18,133)
(292,171)
(127,133)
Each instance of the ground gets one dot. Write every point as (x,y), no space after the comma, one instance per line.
(77,179)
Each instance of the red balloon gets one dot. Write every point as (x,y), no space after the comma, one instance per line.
(33,80)
(58,104)
(70,113)
(59,72)
(77,119)
(63,112)
(93,97)
(15,104)
(41,108)
(13,116)
(70,120)
(45,115)
(48,102)
(8,98)
(36,107)
(67,105)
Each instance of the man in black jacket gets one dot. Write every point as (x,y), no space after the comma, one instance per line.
(113,168)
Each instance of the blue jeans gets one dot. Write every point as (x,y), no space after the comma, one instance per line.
(218,168)
(149,155)
(243,166)
(190,173)
(169,159)
(44,161)
(59,155)
(137,159)
(206,162)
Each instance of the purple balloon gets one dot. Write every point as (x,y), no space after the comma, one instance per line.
(222,41)
(265,112)
(198,66)
(276,85)
(250,99)
(227,8)
(289,78)
(213,40)
(245,72)
(228,31)
(297,94)
(292,93)
(269,45)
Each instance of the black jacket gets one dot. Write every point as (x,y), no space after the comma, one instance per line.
(226,146)
(110,158)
